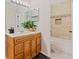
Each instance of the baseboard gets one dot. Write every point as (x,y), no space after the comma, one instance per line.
(45,54)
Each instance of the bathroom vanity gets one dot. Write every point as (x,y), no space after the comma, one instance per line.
(23,46)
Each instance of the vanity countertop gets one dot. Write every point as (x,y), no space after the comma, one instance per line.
(21,33)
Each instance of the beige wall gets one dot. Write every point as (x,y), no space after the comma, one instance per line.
(62,11)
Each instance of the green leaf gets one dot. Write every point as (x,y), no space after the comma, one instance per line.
(29,24)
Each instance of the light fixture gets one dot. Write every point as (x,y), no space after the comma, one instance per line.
(19,2)
(28,5)
(13,0)
(23,3)
(36,9)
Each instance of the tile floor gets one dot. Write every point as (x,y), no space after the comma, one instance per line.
(60,55)
(40,56)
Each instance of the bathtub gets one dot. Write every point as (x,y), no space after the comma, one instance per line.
(64,45)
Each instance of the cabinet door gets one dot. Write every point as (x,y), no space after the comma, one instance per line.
(27,50)
(38,40)
(19,56)
(38,44)
(18,48)
(38,49)
(33,48)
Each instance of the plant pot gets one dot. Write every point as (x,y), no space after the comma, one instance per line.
(30,29)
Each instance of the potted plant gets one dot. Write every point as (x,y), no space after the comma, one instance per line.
(30,25)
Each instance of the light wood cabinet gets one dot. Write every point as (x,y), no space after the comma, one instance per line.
(18,48)
(33,47)
(19,56)
(38,49)
(38,38)
(27,50)
(23,47)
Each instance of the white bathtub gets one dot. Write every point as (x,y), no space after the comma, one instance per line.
(64,45)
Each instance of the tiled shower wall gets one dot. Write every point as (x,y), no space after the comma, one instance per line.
(61,20)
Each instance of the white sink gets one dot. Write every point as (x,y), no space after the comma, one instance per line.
(21,33)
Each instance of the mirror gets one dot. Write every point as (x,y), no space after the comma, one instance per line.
(19,11)
(33,14)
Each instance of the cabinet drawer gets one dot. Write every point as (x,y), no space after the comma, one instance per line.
(18,48)
(19,40)
(19,56)
(38,35)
